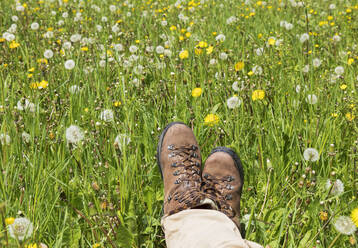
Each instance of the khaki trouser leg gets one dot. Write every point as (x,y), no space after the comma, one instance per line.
(202,228)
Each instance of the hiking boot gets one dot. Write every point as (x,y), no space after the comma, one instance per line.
(223,178)
(179,160)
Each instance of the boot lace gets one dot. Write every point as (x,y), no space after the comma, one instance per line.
(219,190)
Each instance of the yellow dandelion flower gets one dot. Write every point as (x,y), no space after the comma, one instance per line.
(214,33)
(211,120)
(43,84)
(323,215)
(9,221)
(196,92)
(34,85)
(85,49)
(42,61)
(29,75)
(203,44)
(96,245)
(31,69)
(172,28)
(187,34)
(350,61)
(258,95)
(2,40)
(354,216)
(209,50)
(350,116)
(181,38)
(250,73)
(334,115)
(32,245)
(14,45)
(239,66)
(184,54)
(271,41)
(343,86)
(198,51)
(116,104)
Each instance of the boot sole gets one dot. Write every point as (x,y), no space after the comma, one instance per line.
(234,156)
(159,147)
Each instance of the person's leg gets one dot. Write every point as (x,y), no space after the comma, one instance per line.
(187,222)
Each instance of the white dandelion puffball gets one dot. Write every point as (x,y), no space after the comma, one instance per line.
(337,187)
(133,49)
(34,26)
(311,154)
(345,225)
(67,45)
(121,140)
(21,229)
(74,89)
(106,115)
(336,38)
(69,64)
(5,139)
(339,70)
(288,26)
(257,70)
(312,99)
(306,69)
(304,37)
(235,86)
(159,49)
(316,62)
(48,54)
(118,47)
(233,102)
(74,134)
(75,37)
(259,51)
(220,38)
(26,137)
(213,61)
(223,56)
(25,104)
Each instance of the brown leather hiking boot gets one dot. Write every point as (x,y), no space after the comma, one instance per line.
(179,161)
(223,178)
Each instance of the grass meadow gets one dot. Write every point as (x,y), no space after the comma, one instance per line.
(88,85)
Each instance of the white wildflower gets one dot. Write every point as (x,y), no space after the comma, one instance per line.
(70,64)
(337,187)
(21,229)
(306,69)
(48,54)
(121,140)
(233,102)
(223,56)
(220,38)
(257,70)
(34,26)
(316,62)
(345,225)
(133,49)
(5,139)
(74,134)
(107,115)
(25,104)
(339,70)
(159,49)
(311,99)
(311,154)
(74,89)
(26,137)
(75,38)
(304,37)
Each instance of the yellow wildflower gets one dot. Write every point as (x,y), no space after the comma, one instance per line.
(350,61)
(198,51)
(323,215)
(211,120)
(43,84)
(350,116)
(354,216)
(2,40)
(196,92)
(187,34)
(343,87)
(116,104)
(14,44)
(32,245)
(9,221)
(96,245)
(172,28)
(271,41)
(209,50)
(42,61)
(32,69)
(34,85)
(334,115)
(258,95)
(29,75)
(203,44)
(239,66)
(184,54)
(250,73)
(85,49)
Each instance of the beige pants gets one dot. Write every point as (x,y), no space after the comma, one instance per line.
(202,228)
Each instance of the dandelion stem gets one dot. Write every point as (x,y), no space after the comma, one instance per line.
(334,241)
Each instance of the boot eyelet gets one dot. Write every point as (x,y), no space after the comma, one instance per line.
(230,179)
(171,147)
(228,197)
(174,165)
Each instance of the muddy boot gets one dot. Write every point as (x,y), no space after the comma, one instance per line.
(179,161)
(223,178)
